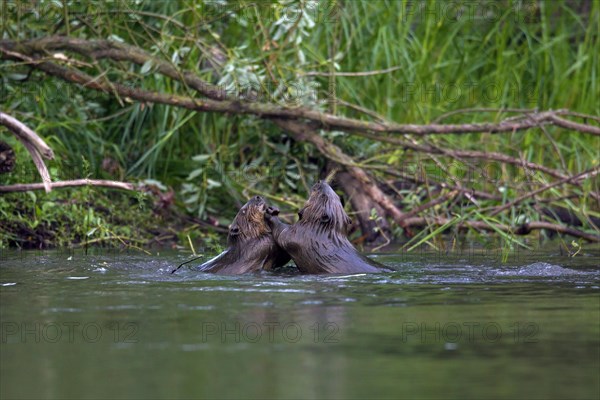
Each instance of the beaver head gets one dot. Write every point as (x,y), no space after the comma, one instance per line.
(249,222)
(324,210)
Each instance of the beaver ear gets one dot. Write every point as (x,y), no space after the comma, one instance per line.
(325,219)
(234,230)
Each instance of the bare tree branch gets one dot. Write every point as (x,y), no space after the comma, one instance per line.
(519,230)
(73,183)
(25,134)
(458,154)
(483,110)
(29,50)
(584,175)
(305,132)
(35,145)
(75,76)
(105,49)
(564,123)
(443,198)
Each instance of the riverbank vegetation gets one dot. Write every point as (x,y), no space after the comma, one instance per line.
(458,119)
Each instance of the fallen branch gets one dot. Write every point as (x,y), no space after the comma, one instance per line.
(75,76)
(361,128)
(430,204)
(304,132)
(372,229)
(35,145)
(444,116)
(78,77)
(460,154)
(584,175)
(523,229)
(24,187)
(101,49)
(29,52)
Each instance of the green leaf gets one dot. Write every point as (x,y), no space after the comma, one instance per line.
(32,195)
(147,67)
(195,173)
(156,183)
(91,231)
(116,38)
(201,157)
(213,184)
(16,76)
(192,199)
(48,205)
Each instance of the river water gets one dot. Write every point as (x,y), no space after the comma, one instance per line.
(119,325)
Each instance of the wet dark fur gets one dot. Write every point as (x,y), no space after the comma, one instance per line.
(250,245)
(318,242)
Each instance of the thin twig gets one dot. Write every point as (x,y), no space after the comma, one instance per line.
(480,110)
(363,110)
(432,203)
(576,178)
(363,73)
(579,115)
(520,230)
(24,187)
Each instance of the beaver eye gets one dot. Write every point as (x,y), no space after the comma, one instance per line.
(325,218)
(299,215)
(257,198)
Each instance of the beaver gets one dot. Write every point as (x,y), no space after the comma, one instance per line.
(318,242)
(250,245)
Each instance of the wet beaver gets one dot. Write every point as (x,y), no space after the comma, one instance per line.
(318,242)
(250,245)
